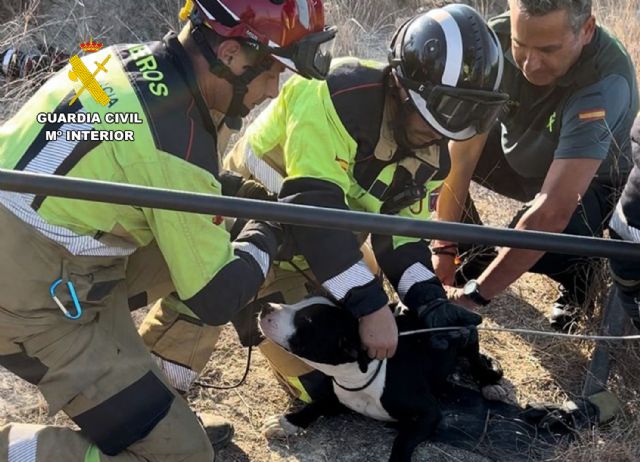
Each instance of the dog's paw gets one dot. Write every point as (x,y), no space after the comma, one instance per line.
(277,426)
(494,393)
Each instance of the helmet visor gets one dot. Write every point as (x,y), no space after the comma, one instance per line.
(456,108)
(309,56)
(456,113)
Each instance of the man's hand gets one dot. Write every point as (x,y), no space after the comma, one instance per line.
(445,268)
(457,296)
(379,333)
(566,182)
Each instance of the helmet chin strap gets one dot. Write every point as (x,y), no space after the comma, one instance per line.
(404,108)
(400,124)
(240,83)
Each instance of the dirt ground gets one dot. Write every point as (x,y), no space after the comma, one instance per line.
(536,369)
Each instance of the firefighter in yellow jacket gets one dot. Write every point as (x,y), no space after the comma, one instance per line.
(71,269)
(372,137)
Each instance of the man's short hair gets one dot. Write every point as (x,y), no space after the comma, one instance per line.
(578,10)
(215,40)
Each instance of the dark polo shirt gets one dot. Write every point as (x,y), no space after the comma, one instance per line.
(588,113)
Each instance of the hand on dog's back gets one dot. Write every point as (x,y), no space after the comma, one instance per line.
(379,333)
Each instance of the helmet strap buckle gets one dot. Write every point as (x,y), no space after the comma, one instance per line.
(196,18)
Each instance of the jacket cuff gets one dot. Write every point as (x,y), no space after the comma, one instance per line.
(423,292)
(364,300)
(261,235)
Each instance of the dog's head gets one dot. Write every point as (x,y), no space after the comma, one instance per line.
(317,331)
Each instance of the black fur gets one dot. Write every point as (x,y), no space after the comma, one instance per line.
(416,375)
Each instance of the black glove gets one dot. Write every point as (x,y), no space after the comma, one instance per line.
(440,312)
(285,245)
(455,338)
(252,189)
(578,414)
(428,300)
(233,184)
(230,182)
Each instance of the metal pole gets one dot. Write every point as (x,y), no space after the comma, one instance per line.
(101,191)
(614,321)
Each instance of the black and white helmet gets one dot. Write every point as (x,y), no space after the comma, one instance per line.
(450,63)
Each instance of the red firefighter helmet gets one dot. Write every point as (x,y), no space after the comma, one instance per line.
(292,31)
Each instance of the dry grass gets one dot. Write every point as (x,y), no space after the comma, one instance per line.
(10,8)
(549,370)
(365,27)
(536,369)
(623,19)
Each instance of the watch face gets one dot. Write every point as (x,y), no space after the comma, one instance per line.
(470,287)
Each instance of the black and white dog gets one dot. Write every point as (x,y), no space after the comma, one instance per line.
(404,389)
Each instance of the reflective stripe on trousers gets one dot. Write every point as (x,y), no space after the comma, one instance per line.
(23,442)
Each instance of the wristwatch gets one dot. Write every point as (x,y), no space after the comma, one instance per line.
(472,291)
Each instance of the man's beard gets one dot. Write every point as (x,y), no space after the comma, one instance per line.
(404,109)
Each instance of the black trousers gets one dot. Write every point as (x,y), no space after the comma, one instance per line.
(591,217)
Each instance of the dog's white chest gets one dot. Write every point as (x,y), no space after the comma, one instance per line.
(367,401)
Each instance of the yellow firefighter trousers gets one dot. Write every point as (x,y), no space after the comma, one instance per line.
(96,368)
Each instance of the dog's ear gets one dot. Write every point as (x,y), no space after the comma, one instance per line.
(269,307)
(361,357)
(363,360)
(354,351)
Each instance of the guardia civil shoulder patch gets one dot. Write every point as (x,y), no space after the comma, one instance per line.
(592,114)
